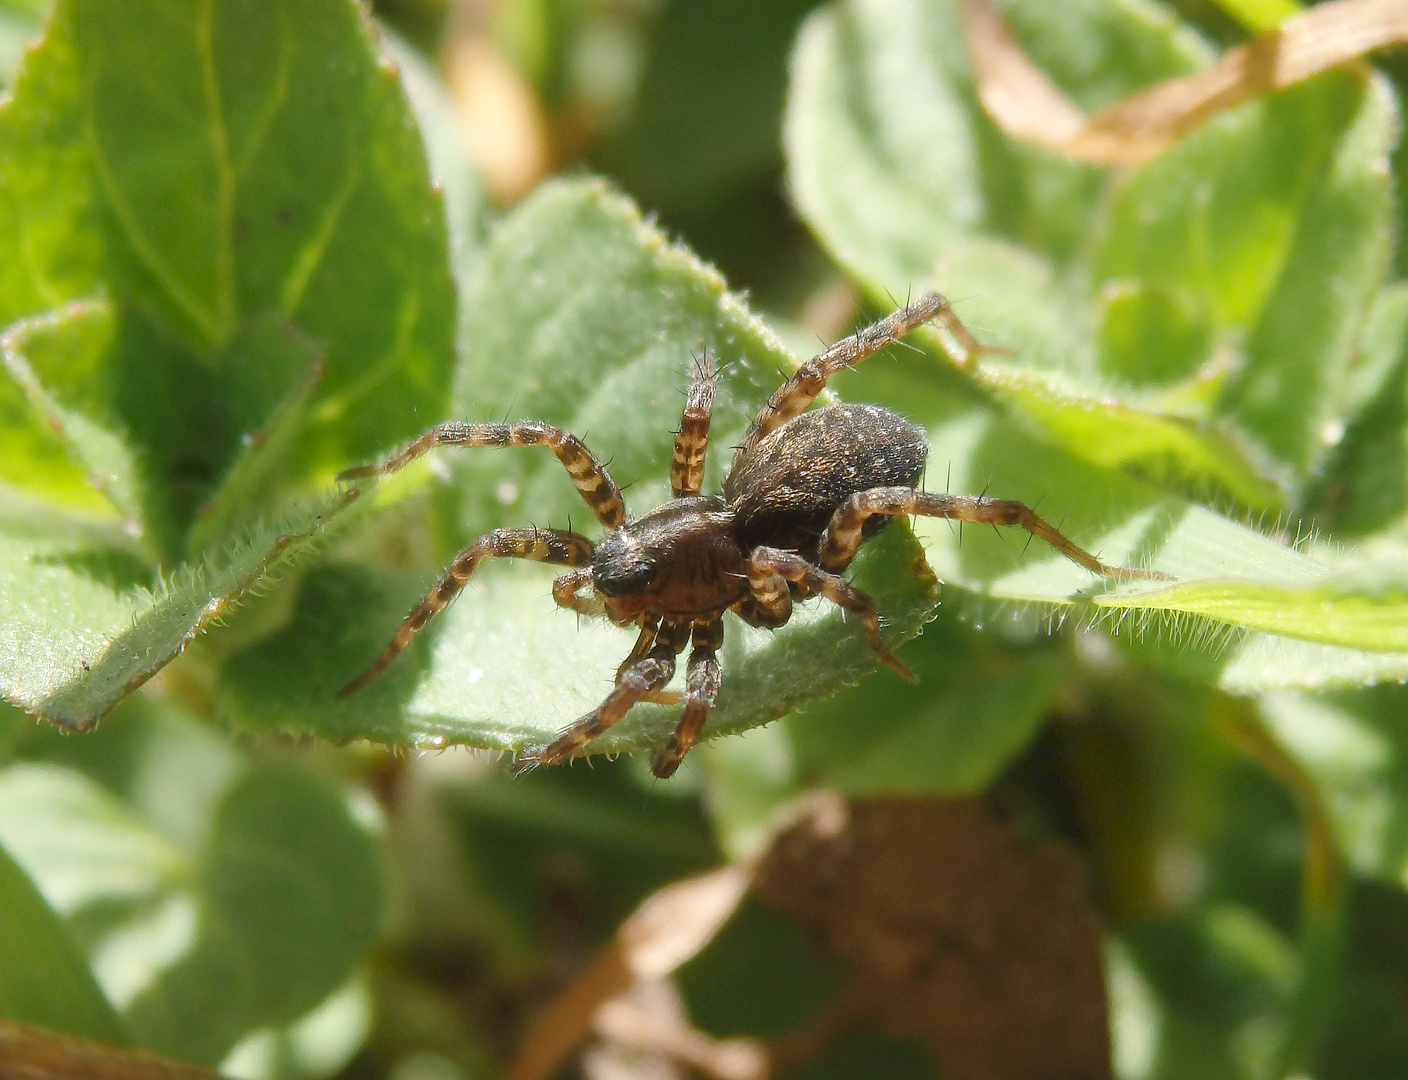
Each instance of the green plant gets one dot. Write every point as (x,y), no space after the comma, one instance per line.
(226,275)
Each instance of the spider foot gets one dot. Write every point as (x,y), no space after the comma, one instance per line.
(666,760)
(567,745)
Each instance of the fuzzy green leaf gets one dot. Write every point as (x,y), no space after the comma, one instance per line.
(79,630)
(62,349)
(1224,573)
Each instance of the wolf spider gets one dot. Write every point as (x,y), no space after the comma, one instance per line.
(806,489)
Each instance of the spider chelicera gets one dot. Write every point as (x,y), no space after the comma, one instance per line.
(806,489)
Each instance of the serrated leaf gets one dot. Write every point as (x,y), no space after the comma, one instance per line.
(75,638)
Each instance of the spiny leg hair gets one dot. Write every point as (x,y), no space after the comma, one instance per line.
(769,571)
(589,476)
(539,545)
(793,396)
(843,536)
(643,677)
(692,439)
(702,680)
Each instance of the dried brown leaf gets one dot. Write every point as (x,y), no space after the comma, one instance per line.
(1029,107)
(961,934)
(669,928)
(33,1054)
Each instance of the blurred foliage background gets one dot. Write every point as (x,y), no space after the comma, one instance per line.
(1147,832)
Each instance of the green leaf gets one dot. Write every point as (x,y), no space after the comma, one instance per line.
(1363,608)
(896,170)
(53,252)
(890,159)
(1262,662)
(1052,384)
(80,842)
(600,316)
(258,922)
(43,979)
(1363,485)
(62,349)
(1224,574)
(1353,746)
(447,151)
(79,631)
(505,668)
(290,890)
(223,171)
(1273,222)
(574,274)
(976,705)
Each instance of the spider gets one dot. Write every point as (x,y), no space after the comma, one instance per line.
(806,489)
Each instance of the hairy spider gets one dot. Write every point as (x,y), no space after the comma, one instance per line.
(806,489)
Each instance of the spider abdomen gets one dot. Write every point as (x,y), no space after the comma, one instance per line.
(785,490)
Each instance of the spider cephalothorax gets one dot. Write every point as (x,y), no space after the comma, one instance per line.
(806,489)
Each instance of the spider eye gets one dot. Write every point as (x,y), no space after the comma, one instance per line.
(619,566)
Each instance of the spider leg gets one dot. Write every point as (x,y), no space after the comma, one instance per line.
(649,629)
(540,545)
(651,673)
(692,439)
(843,536)
(771,569)
(702,679)
(589,476)
(808,381)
